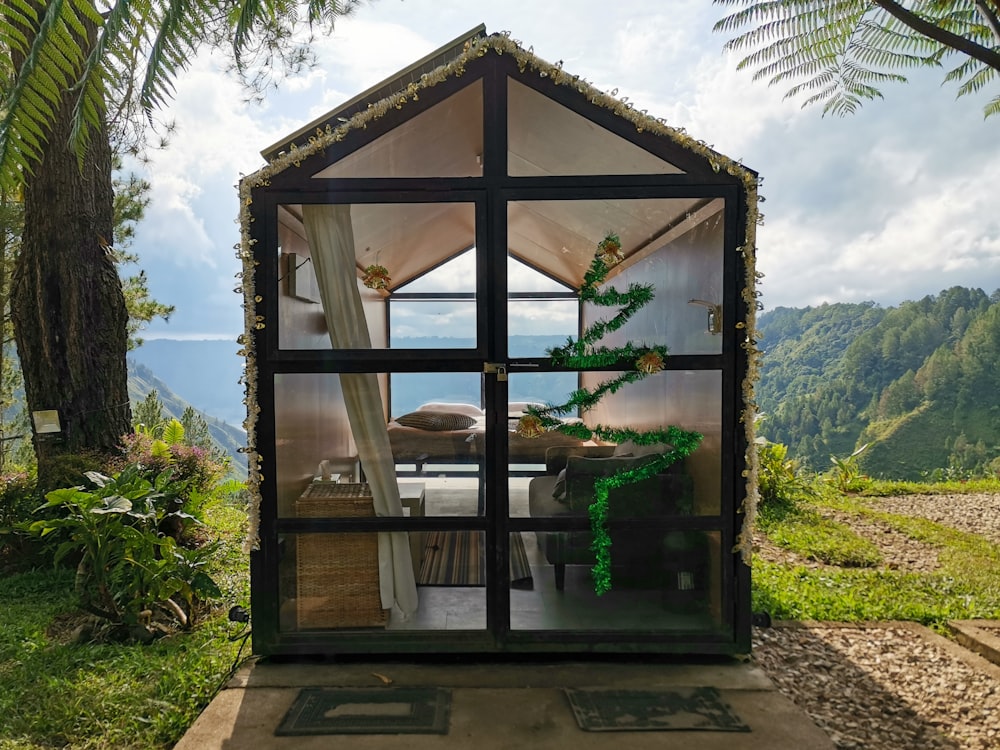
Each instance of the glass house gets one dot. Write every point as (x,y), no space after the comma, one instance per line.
(411,262)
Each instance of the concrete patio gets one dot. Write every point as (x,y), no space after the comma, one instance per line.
(503,705)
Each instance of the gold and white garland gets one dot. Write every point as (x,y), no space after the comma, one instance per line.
(500,44)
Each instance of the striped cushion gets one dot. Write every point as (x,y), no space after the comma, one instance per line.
(436,421)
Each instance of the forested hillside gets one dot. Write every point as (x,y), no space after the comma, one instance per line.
(919,383)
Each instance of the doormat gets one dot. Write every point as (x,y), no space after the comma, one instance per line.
(697,708)
(367,711)
(458,558)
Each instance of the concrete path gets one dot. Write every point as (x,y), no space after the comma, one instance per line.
(498,706)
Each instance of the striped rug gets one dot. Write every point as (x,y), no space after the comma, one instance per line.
(458,558)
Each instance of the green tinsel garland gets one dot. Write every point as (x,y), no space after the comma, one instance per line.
(584,354)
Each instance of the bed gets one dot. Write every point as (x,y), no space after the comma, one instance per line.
(442,433)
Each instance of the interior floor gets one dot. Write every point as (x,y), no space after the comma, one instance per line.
(535,604)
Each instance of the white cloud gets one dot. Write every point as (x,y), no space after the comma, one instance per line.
(892,203)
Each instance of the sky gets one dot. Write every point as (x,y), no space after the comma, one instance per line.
(893,203)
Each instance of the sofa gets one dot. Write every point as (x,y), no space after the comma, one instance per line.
(567,489)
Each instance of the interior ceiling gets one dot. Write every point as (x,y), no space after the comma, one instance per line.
(558,237)
(544,138)
(561,237)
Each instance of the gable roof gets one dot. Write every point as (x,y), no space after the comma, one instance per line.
(448,62)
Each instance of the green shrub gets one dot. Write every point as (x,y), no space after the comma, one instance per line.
(68,469)
(194,471)
(846,473)
(129,571)
(18,499)
(780,480)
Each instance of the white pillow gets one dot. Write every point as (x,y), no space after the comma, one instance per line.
(517,408)
(439,406)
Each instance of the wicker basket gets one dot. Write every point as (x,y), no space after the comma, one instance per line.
(338,584)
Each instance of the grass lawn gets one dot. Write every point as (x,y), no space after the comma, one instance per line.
(57,694)
(854,585)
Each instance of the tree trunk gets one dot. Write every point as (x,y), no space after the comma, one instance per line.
(68,308)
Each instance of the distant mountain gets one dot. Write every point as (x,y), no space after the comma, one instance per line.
(206,374)
(919,383)
(141,381)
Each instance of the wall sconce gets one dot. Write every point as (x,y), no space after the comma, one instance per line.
(714,315)
(46,422)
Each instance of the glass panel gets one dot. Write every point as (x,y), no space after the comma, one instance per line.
(540,316)
(674,244)
(691,400)
(662,580)
(527,456)
(546,138)
(537,325)
(329,581)
(436,310)
(451,584)
(408,240)
(524,277)
(445,140)
(437,443)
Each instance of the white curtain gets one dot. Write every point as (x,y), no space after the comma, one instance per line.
(331,243)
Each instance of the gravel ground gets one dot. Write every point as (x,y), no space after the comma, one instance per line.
(892,686)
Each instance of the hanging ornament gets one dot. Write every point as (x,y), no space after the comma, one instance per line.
(530,426)
(376,277)
(649,363)
(609,250)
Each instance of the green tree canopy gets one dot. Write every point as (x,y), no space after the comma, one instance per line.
(842,52)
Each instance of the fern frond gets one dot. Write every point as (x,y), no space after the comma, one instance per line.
(247,14)
(842,51)
(106,67)
(993,108)
(978,77)
(175,42)
(326,12)
(173,432)
(51,59)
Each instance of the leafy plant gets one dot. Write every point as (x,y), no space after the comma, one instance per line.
(194,470)
(56,692)
(780,479)
(128,570)
(841,54)
(17,501)
(846,473)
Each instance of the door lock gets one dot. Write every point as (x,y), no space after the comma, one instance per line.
(499,370)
